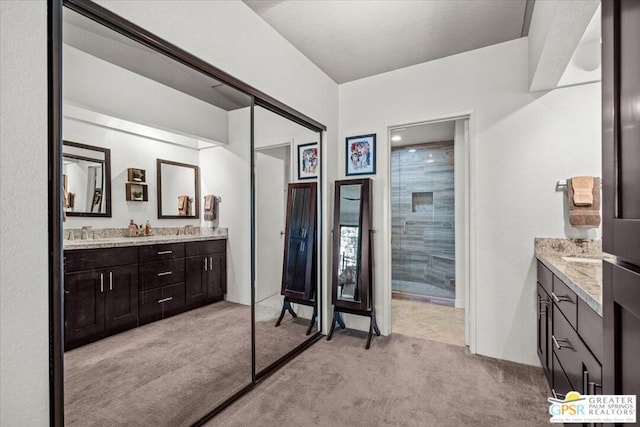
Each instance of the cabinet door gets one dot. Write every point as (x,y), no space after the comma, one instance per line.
(217,277)
(544,303)
(621,128)
(83,304)
(621,309)
(121,297)
(196,280)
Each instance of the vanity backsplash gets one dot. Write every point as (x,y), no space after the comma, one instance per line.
(90,233)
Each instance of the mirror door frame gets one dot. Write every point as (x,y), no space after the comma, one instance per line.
(127,28)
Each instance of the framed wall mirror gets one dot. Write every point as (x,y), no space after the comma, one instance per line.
(86,180)
(178,190)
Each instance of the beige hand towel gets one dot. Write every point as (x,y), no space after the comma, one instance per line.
(582,190)
(585,216)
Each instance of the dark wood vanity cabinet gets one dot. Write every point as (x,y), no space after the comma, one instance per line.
(103,299)
(107,291)
(569,337)
(162,281)
(206,272)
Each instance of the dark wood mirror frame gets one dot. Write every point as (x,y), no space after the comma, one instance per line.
(115,22)
(365,305)
(196,202)
(106,194)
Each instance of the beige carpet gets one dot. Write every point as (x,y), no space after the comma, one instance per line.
(429,321)
(172,372)
(400,381)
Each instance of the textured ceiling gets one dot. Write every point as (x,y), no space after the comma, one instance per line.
(350,40)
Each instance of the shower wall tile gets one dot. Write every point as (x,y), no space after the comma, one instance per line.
(423,250)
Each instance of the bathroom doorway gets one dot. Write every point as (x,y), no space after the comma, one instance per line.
(427,298)
(272,175)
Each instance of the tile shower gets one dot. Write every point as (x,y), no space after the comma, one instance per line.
(423,238)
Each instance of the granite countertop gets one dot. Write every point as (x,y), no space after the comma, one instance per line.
(115,242)
(584,278)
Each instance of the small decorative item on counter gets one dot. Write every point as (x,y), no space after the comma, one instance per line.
(147,229)
(133,229)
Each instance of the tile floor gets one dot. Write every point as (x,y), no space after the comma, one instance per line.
(428,321)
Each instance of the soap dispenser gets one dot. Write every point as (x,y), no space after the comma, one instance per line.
(147,229)
(133,229)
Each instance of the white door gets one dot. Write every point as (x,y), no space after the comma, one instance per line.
(272,176)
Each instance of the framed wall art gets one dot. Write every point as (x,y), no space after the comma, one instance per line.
(308,161)
(360,155)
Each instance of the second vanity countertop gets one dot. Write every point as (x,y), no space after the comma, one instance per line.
(583,277)
(115,242)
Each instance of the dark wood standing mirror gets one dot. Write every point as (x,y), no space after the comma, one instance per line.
(352,278)
(86,180)
(178,190)
(299,269)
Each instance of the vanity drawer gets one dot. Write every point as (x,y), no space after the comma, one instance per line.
(545,277)
(161,252)
(561,384)
(566,300)
(590,328)
(205,247)
(162,273)
(159,303)
(575,357)
(93,259)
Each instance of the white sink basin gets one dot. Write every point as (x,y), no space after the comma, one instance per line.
(583,260)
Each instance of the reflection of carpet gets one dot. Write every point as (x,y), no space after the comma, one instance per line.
(273,343)
(172,372)
(400,381)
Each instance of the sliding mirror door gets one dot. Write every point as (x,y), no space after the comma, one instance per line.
(157,319)
(287,194)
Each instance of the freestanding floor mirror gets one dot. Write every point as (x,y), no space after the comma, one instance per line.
(352,275)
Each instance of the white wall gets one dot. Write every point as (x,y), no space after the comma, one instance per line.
(127,95)
(129,151)
(522,144)
(225,33)
(24,335)
(225,173)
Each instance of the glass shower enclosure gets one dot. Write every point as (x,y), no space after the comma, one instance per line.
(423,222)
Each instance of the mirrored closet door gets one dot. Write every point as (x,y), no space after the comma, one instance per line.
(190,247)
(157,318)
(287,170)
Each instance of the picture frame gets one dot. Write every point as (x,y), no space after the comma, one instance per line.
(360,155)
(136,175)
(308,160)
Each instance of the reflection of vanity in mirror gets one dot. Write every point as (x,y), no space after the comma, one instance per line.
(86,175)
(178,189)
(352,275)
